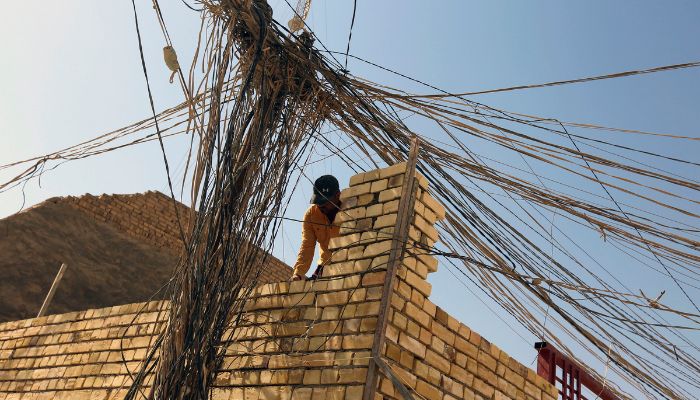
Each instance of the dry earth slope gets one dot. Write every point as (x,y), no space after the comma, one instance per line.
(105,266)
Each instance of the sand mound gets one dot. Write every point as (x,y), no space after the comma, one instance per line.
(105,266)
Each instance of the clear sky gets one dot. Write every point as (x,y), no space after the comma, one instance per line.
(70,70)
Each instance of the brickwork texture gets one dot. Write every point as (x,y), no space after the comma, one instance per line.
(298,340)
(153,217)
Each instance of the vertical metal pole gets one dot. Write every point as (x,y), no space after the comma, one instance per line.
(564,383)
(52,290)
(578,384)
(571,381)
(553,368)
(398,246)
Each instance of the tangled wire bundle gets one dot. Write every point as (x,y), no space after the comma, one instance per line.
(243,167)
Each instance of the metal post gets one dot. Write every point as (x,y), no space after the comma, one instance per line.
(564,383)
(52,290)
(578,385)
(571,381)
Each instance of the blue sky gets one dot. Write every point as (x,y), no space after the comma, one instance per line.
(70,70)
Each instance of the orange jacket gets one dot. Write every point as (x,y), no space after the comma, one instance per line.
(316,228)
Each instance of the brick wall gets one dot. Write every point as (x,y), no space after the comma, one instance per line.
(299,340)
(152,217)
(436,356)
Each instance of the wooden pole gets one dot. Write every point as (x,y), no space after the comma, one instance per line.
(398,247)
(52,291)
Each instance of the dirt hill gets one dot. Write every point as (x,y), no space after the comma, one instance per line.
(119,249)
(105,266)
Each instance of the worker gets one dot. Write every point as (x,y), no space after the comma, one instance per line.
(318,227)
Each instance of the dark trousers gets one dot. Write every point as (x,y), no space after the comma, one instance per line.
(318,272)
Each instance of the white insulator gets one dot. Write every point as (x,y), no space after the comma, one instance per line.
(295,24)
(170,58)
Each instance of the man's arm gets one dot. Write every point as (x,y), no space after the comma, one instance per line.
(306,250)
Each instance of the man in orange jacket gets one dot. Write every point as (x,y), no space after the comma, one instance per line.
(318,227)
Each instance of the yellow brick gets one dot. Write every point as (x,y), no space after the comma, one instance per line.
(411,344)
(339,268)
(346,215)
(379,262)
(393,351)
(396,180)
(414,234)
(349,203)
(299,286)
(271,393)
(348,311)
(434,205)
(329,376)
(386,388)
(368,237)
(344,241)
(392,170)
(354,392)
(339,255)
(407,377)
(356,190)
(487,360)
(361,265)
(427,228)
(302,393)
(389,194)
(532,390)
(460,374)
(421,180)
(392,333)
(357,179)
(429,216)
(390,207)
(358,295)
(486,375)
(373,278)
(385,221)
(483,388)
(430,262)
(375,210)
(428,391)
(371,175)
(356,252)
(352,342)
(335,393)
(418,315)
(365,199)
(352,325)
(331,299)
(418,283)
(399,320)
(352,375)
(367,308)
(443,333)
(325,328)
(378,186)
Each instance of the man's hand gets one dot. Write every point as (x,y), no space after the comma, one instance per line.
(297,277)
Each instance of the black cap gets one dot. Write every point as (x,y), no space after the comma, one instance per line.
(325,188)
